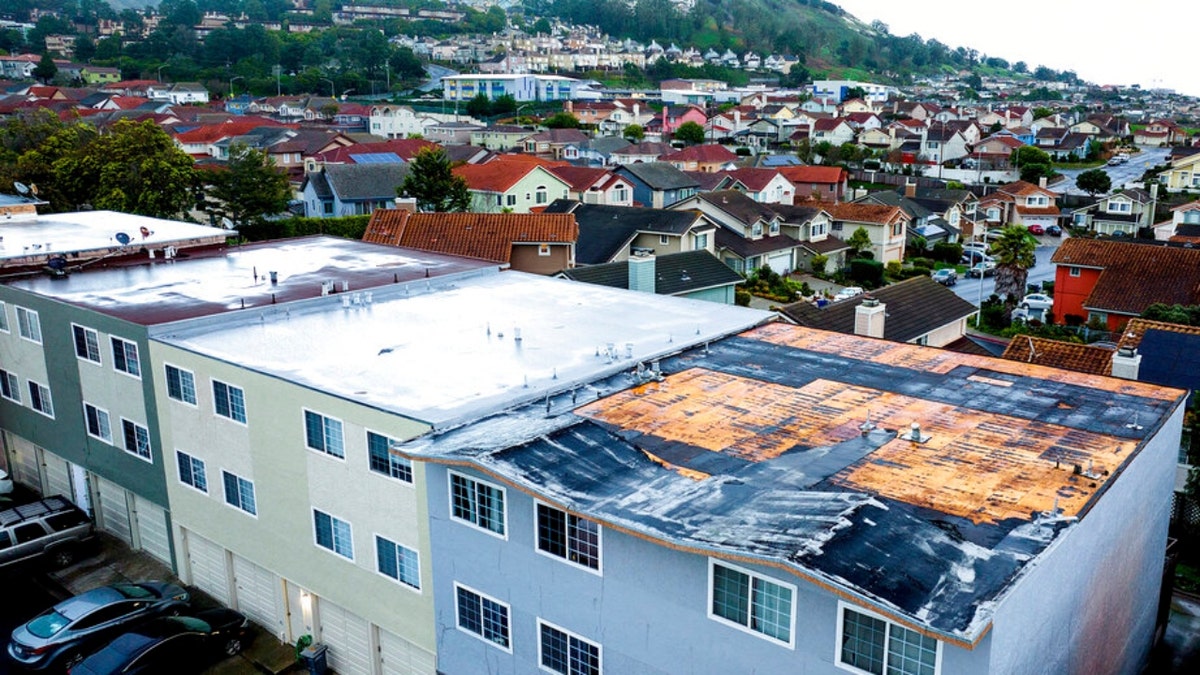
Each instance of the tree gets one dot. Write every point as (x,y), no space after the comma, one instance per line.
(561,120)
(634,133)
(479,106)
(132,168)
(1033,163)
(45,70)
(859,241)
(504,104)
(1094,181)
(435,187)
(689,132)
(406,66)
(247,189)
(1014,254)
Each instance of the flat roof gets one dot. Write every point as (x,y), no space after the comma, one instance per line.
(449,350)
(754,448)
(88,232)
(235,278)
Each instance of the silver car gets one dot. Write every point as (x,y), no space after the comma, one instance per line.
(60,636)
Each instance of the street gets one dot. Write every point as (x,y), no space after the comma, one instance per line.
(1121,174)
(972,290)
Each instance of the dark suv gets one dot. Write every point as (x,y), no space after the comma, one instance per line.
(52,527)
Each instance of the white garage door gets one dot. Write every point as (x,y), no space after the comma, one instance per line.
(152,528)
(206,561)
(114,510)
(58,475)
(401,657)
(780,262)
(345,633)
(258,594)
(26,468)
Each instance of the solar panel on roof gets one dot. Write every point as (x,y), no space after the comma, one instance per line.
(377,158)
(1170,358)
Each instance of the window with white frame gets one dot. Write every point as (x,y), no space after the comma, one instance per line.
(993,213)
(774,229)
(1191,217)
(333,534)
(125,357)
(192,471)
(620,194)
(229,401)
(4,318)
(40,398)
(1119,206)
(751,601)
(239,493)
(10,386)
(510,200)
(323,434)
(397,562)
(484,617)
(28,325)
(541,194)
(756,230)
(564,652)
(1036,200)
(701,242)
(567,536)
(663,240)
(1074,271)
(381,460)
(97,423)
(87,343)
(477,503)
(870,644)
(181,384)
(137,438)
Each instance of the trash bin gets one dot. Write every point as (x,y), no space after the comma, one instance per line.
(314,658)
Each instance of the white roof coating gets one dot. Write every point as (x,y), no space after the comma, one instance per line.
(96,231)
(448,351)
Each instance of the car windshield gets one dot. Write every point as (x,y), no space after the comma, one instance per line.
(133,591)
(193,624)
(47,624)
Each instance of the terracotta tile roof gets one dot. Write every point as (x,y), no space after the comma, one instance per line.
(1073,356)
(1136,329)
(813,174)
(500,174)
(210,133)
(753,179)
(863,213)
(581,178)
(519,159)
(1022,188)
(1038,210)
(707,153)
(828,124)
(1135,275)
(487,236)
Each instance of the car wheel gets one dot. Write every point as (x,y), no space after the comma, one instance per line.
(63,556)
(71,660)
(1025,305)
(233,646)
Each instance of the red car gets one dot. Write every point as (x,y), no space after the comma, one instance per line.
(1036,229)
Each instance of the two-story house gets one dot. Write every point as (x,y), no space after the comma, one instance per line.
(595,185)
(1123,213)
(824,183)
(658,184)
(511,186)
(1019,203)
(617,233)
(887,226)
(351,189)
(708,158)
(750,234)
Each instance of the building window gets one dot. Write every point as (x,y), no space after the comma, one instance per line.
(1191,217)
(567,653)
(323,434)
(28,325)
(543,250)
(897,229)
(40,399)
(751,602)
(137,438)
(483,617)
(1099,317)
(510,200)
(568,536)
(97,423)
(125,357)
(398,562)
(756,230)
(384,462)
(620,195)
(993,214)
(239,493)
(541,195)
(4,318)
(191,471)
(87,343)
(1074,271)
(478,503)
(333,534)
(229,401)
(869,644)
(10,386)
(181,384)
(701,242)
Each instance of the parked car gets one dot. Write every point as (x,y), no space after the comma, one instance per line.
(982,269)
(1035,228)
(945,276)
(1037,301)
(175,644)
(980,246)
(971,257)
(52,528)
(1054,230)
(6,484)
(848,292)
(60,636)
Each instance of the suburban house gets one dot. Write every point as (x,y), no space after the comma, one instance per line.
(918,311)
(812,227)
(825,183)
(750,234)
(942,143)
(1123,213)
(399,121)
(1183,174)
(925,228)
(617,233)
(178,93)
(552,143)
(671,117)
(596,151)
(595,186)
(994,153)
(835,130)
(1110,281)
(697,275)
(767,186)
(539,243)
(501,137)
(451,133)
(1184,226)
(640,153)
(706,158)
(887,226)
(512,186)
(351,189)
(1159,133)
(658,184)
(1019,203)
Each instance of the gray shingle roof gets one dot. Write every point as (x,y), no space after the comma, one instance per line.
(605,231)
(365,181)
(915,307)
(675,274)
(660,176)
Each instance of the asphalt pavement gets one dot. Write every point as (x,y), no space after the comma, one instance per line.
(1129,172)
(26,594)
(973,290)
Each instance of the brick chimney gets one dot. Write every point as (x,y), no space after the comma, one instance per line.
(869,318)
(641,273)
(1042,182)
(407,204)
(910,189)
(1126,362)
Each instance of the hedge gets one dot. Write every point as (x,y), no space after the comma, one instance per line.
(349,227)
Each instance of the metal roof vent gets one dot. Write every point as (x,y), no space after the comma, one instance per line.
(914,434)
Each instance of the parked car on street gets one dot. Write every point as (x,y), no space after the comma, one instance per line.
(1035,228)
(52,528)
(848,292)
(980,246)
(973,256)
(1054,230)
(1037,301)
(174,644)
(945,276)
(982,269)
(59,637)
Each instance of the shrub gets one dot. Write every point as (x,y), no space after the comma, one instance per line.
(947,252)
(867,272)
(1048,288)
(819,261)
(350,227)
(806,290)
(893,268)
(922,262)
(741,298)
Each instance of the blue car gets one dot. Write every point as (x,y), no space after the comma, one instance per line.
(1054,230)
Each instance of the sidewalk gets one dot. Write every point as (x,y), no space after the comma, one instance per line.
(113,562)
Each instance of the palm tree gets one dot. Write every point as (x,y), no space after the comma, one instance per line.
(1014,254)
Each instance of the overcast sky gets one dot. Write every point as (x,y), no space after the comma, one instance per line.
(1149,42)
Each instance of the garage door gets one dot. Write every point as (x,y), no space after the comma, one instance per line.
(58,475)
(258,594)
(206,560)
(114,510)
(401,657)
(345,633)
(780,262)
(26,468)
(152,528)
